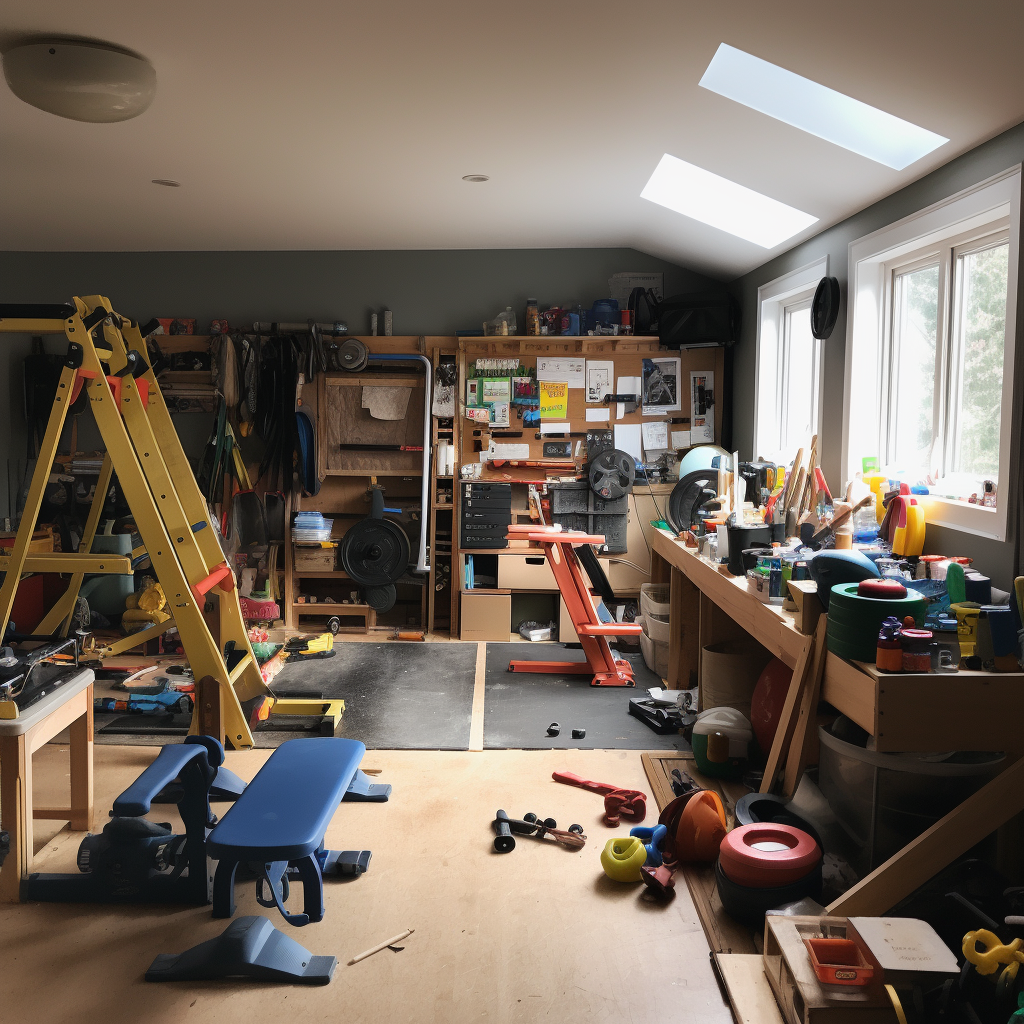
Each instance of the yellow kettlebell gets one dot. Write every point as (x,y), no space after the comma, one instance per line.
(623,857)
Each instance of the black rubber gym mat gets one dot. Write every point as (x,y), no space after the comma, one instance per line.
(519,706)
(397,696)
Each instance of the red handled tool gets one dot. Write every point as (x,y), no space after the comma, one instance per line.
(630,804)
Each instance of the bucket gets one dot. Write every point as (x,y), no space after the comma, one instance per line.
(729,672)
(885,801)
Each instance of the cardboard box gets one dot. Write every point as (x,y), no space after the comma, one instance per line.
(485,616)
(525,572)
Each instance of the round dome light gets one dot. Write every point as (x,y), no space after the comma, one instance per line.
(81,81)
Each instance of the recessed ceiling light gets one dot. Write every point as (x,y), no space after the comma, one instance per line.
(815,108)
(723,204)
(476,177)
(167,181)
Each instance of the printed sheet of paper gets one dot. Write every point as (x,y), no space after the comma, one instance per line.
(571,370)
(661,385)
(555,428)
(702,407)
(627,439)
(680,439)
(554,399)
(600,379)
(508,451)
(599,415)
(626,386)
(655,436)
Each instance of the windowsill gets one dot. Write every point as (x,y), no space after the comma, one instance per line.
(961,515)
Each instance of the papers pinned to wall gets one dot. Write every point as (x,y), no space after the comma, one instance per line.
(702,407)
(554,399)
(600,379)
(571,371)
(628,439)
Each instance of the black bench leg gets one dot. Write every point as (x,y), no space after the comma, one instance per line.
(312,888)
(224,888)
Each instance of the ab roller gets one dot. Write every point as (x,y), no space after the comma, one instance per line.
(507,828)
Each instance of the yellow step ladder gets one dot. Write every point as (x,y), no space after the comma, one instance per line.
(143,449)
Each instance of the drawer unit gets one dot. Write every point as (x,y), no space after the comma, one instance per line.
(485,616)
(525,572)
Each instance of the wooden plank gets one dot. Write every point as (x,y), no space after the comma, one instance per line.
(950,837)
(803,731)
(81,755)
(15,813)
(788,718)
(808,607)
(476,726)
(209,708)
(750,995)
(850,691)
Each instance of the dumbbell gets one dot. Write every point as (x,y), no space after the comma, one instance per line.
(503,840)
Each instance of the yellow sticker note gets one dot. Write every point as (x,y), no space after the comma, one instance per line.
(554,399)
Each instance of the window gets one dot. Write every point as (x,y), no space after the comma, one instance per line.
(788,398)
(930,352)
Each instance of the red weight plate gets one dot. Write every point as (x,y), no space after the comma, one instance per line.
(767,855)
(887,589)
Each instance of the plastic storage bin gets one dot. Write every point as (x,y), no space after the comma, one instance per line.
(654,600)
(886,800)
(655,654)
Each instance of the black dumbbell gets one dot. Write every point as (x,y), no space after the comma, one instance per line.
(503,839)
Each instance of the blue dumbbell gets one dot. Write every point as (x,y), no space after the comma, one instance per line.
(652,838)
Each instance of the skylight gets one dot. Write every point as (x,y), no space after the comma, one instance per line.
(817,109)
(723,204)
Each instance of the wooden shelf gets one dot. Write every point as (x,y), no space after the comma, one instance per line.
(320,574)
(331,609)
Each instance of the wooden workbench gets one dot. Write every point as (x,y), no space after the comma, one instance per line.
(961,711)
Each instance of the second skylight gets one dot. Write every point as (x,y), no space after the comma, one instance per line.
(815,108)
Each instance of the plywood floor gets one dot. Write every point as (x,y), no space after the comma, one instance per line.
(537,934)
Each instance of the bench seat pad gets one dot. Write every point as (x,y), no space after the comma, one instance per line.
(284,812)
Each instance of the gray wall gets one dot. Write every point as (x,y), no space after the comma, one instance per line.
(430,292)
(990,158)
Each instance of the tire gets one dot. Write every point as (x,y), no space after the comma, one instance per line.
(749,905)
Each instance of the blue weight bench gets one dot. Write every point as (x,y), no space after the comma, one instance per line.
(276,827)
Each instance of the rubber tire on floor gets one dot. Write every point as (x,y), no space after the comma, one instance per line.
(748,906)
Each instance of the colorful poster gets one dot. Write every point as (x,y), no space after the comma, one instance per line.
(554,399)
(495,389)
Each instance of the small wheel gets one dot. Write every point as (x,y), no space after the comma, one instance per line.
(334,624)
(530,817)
(550,823)
(185,705)
(576,829)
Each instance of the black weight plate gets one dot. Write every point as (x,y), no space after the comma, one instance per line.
(612,474)
(825,308)
(381,599)
(352,355)
(375,552)
(687,497)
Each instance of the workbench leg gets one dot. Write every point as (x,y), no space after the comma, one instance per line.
(950,837)
(15,814)
(684,618)
(660,569)
(82,769)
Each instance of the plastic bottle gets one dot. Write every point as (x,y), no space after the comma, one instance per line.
(532,317)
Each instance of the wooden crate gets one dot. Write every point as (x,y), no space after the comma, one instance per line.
(313,559)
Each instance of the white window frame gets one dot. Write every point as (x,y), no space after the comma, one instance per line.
(984,209)
(773,300)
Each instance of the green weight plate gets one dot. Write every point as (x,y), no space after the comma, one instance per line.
(852,652)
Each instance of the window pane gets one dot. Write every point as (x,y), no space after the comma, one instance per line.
(915,324)
(800,418)
(981,329)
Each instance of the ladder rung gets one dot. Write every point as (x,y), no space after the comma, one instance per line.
(243,663)
(609,629)
(61,561)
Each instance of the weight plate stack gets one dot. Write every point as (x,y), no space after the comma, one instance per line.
(612,474)
(854,620)
(692,491)
(374,552)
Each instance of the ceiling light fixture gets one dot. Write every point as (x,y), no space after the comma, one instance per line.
(817,109)
(169,182)
(476,177)
(81,81)
(723,204)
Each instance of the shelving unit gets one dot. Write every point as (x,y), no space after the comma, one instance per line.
(442,583)
(626,571)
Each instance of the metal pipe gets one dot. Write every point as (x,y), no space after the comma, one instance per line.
(275,327)
(396,357)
